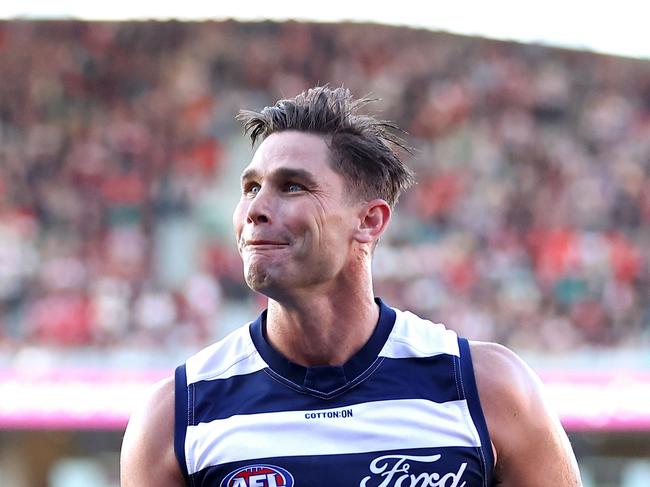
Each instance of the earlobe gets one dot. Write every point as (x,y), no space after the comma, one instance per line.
(373,219)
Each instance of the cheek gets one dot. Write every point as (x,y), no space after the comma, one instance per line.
(329,231)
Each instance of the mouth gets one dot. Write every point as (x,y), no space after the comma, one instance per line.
(264,244)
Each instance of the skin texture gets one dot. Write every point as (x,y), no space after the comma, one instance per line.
(307,245)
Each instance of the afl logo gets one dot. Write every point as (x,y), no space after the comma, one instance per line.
(258,476)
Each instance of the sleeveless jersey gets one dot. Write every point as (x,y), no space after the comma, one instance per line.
(402,412)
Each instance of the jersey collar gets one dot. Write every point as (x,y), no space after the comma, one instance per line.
(325,378)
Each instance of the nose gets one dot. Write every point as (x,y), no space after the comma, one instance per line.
(259,210)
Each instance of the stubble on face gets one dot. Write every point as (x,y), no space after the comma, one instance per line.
(257,276)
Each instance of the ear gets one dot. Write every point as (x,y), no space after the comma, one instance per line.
(373,220)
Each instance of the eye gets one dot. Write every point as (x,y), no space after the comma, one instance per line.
(294,187)
(251,189)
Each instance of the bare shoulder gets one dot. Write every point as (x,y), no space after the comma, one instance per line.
(532,448)
(147,457)
(502,375)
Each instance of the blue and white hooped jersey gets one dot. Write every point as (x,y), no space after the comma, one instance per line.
(402,412)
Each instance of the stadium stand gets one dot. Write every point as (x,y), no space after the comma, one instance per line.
(528,226)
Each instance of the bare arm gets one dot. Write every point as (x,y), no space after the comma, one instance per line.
(532,449)
(147,458)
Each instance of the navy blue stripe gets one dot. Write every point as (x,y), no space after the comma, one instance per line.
(475,408)
(351,469)
(180,418)
(259,392)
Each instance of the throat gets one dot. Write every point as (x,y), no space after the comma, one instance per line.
(320,337)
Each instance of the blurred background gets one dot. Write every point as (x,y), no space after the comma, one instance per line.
(119,170)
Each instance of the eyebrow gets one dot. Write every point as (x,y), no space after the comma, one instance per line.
(281,173)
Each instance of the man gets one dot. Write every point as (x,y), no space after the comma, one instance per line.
(330,386)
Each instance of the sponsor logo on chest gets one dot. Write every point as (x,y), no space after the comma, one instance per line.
(387,471)
(393,471)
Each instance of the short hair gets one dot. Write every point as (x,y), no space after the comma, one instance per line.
(364,149)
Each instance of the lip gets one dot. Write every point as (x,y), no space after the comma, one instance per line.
(264,244)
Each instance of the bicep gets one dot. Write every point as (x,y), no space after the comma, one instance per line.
(147,457)
(538,451)
(532,448)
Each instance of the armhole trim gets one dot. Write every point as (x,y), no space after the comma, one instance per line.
(474,404)
(181,421)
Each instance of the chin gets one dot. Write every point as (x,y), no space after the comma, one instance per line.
(259,279)
(267,284)
(256,281)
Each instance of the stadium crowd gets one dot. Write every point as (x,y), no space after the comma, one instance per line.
(530,224)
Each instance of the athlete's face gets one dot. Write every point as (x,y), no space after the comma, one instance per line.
(294,223)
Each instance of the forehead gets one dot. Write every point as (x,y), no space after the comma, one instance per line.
(292,150)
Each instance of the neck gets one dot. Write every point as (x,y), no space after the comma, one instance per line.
(322,329)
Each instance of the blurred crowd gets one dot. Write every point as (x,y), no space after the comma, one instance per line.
(530,224)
